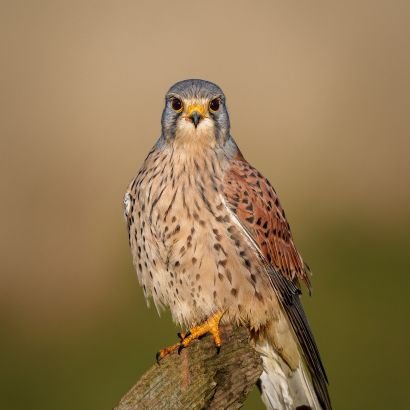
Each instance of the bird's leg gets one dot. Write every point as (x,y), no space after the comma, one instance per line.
(209,326)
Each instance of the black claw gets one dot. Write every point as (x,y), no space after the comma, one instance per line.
(179,334)
(181,346)
(218,349)
(158,357)
(187,334)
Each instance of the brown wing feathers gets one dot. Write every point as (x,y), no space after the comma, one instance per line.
(256,205)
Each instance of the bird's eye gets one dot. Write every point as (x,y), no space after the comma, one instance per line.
(214,104)
(176,104)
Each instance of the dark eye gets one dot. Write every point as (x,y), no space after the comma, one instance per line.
(176,104)
(214,105)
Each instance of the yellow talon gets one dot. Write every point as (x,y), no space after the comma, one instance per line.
(209,326)
(165,352)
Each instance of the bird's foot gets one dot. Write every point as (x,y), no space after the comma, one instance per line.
(209,326)
(166,351)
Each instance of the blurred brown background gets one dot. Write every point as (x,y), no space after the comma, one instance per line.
(319,100)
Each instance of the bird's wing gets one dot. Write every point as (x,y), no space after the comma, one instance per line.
(254,202)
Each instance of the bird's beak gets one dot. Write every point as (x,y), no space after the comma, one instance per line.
(196,117)
(196,113)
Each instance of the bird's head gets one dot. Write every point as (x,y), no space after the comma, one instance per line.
(195,113)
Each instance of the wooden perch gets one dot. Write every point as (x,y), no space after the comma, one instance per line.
(199,378)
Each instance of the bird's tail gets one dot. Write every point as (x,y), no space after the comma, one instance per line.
(281,387)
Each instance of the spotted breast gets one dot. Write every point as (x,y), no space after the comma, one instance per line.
(188,250)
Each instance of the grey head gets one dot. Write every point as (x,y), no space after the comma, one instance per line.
(195,107)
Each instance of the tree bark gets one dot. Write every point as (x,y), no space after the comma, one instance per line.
(199,378)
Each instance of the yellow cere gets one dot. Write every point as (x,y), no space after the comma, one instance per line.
(201,108)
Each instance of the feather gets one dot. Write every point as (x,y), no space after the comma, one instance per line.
(265,223)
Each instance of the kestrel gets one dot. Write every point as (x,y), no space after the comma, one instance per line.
(210,240)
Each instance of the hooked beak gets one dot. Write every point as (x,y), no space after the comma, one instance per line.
(196,117)
(195,113)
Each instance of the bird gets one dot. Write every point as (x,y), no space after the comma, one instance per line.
(210,240)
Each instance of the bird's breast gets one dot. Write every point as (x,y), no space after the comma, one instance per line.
(189,251)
